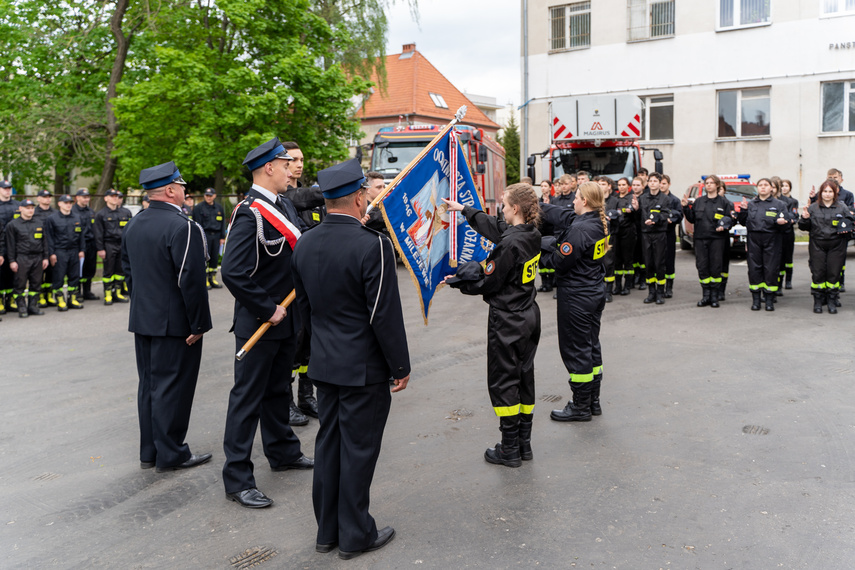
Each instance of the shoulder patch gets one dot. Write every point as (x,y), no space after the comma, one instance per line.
(565,248)
(489,268)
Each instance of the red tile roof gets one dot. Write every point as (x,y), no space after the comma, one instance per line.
(409,83)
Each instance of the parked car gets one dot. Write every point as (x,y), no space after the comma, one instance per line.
(737,187)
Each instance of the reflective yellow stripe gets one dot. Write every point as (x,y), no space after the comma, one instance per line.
(504,411)
(526,408)
(582,377)
(598,369)
(705,281)
(609,279)
(817,285)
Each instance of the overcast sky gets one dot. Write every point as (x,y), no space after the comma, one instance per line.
(474,43)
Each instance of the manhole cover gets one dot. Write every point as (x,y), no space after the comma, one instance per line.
(47,477)
(755,430)
(550,398)
(252,557)
(457,415)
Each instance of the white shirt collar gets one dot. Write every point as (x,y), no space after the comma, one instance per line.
(176,206)
(264,192)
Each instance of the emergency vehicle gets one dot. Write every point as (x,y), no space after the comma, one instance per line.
(598,134)
(738,186)
(395,147)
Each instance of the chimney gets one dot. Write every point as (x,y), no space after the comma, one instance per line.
(409,47)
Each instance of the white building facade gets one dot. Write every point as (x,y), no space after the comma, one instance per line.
(759,87)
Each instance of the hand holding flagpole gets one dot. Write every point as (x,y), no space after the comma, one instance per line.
(263,328)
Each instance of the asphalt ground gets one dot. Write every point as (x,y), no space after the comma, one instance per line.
(726,441)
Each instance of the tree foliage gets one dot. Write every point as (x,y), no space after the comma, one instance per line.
(510,139)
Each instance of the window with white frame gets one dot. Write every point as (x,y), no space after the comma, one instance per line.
(570,26)
(838,107)
(744,113)
(837,6)
(657,121)
(650,19)
(738,13)
(438,100)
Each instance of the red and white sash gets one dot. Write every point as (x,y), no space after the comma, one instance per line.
(280,222)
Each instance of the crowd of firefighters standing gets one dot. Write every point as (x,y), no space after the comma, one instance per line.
(644,216)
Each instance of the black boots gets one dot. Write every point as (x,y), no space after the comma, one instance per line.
(33,306)
(660,294)
(705,298)
(651,294)
(21,303)
(639,281)
(722,287)
(296,417)
(818,301)
(88,295)
(579,408)
(596,409)
(755,300)
(788,283)
(507,452)
(669,288)
(770,301)
(306,396)
(714,296)
(618,288)
(545,282)
(525,437)
(608,292)
(833,301)
(627,284)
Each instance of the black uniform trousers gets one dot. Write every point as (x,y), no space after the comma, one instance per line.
(213,240)
(788,246)
(638,252)
(512,338)
(168,370)
(7,279)
(624,247)
(827,257)
(655,248)
(260,394)
(764,259)
(709,259)
(29,271)
(352,419)
(579,314)
(671,252)
(609,263)
(113,262)
(303,351)
(90,263)
(67,265)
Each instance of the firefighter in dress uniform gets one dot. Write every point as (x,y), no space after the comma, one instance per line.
(654,208)
(27,256)
(110,223)
(513,326)
(830,224)
(211,216)
(256,271)
(764,217)
(90,259)
(66,247)
(8,212)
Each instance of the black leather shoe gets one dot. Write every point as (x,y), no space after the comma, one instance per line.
(192,462)
(146,464)
(250,498)
(302,463)
(296,417)
(324,548)
(384,537)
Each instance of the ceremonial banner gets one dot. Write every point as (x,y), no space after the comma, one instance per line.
(424,231)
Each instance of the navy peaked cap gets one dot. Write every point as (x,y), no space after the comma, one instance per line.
(160,175)
(341,179)
(267,152)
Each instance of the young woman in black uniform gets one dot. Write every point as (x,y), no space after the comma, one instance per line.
(829,223)
(624,238)
(637,186)
(764,217)
(578,260)
(789,239)
(547,276)
(612,215)
(712,216)
(513,328)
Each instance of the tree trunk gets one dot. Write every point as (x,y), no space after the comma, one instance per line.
(62,172)
(219,181)
(123,42)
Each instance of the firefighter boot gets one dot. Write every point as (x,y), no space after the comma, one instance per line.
(651,294)
(526,421)
(88,295)
(74,302)
(60,302)
(706,299)
(208,280)
(305,396)
(596,409)
(51,299)
(755,300)
(120,294)
(842,279)
(618,289)
(296,417)
(722,288)
(608,292)
(507,452)
(11,302)
(579,408)
(770,300)
(833,300)
(42,300)
(21,305)
(3,298)
(545,286)
(818,301)
(714,296)
(214,283)
(33,305)
(669,288)
(627,284)
(660,294)
(640,281)
(108,293)
(781,276)
(788,284)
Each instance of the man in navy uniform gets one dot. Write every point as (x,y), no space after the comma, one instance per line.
(256,270)
(211,216)
(163,257)
(347,290)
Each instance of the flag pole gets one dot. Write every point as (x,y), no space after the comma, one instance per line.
(263,328)
(458,116)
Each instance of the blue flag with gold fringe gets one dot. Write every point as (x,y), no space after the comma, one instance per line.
(431,239)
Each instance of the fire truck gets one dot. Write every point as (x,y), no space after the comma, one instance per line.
(395,147)
(598,134)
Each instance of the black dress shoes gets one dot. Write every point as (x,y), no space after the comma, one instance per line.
(384,537)
(192,462)
(250,498)
(146,464)
(324,548)
(302,463)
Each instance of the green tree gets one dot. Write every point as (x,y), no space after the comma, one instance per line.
(510,139)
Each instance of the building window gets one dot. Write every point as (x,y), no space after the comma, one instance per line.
(837,6)
(438,100)
(838,107)
(657,121)
(570,26)
(738,13)
(743,113)
(650,19)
